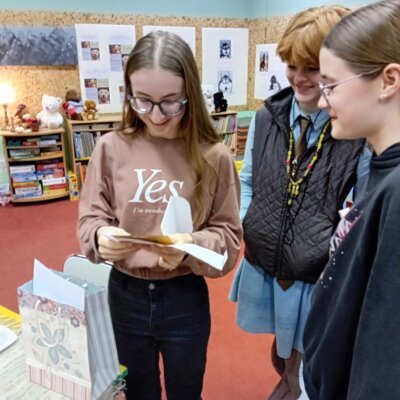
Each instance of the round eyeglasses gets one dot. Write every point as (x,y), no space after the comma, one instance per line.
(326,90)
(170,108)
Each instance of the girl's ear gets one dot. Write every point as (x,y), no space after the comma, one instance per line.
(390,80)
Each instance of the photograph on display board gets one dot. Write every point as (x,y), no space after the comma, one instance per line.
(38,46)
(114,48)
(103,91)
(125,58)
(225,49)
(125,52)
(98,90)
(95,53)
(103,95)
(225,81)
(119,54)
(264,61)
(90,83)
(274,84)
(121,91)
(115,57)
(90,50)
(91,89)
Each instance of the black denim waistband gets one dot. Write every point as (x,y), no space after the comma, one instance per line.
(177,281)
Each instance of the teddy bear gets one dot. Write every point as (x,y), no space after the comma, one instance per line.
(50,116)
(89,111)
(73,105)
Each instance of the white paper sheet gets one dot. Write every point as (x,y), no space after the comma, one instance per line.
(270,76)
(48,284)
(7,337)
(178,219)
(102,53)
(225,62)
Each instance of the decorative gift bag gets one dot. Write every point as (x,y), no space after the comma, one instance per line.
(67,334)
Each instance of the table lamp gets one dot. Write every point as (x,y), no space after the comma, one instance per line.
(7,94)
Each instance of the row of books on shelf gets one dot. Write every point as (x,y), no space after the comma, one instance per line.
(18,154)
(34,180)
(230,141)
(225,124)
(80,169)
(46,140)
(241,138)
(84,143)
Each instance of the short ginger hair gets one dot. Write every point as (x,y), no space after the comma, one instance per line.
(303,38)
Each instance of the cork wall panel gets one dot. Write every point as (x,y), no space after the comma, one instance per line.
(31,82)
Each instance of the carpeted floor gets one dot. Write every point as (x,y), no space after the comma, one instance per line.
(238,366)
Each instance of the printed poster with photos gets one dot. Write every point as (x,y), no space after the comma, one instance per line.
(225,62)
(270,72)
(102,54)
(187,33)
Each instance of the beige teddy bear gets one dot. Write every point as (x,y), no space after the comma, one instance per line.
(89,111)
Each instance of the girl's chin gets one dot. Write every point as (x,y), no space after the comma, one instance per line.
(310,101)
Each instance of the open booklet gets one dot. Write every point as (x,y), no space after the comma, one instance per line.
(164,240)
(177,219)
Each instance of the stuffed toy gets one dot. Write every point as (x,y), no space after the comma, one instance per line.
(23,120)
(208,97)
(220,103)
(50,116)
(89,111)
(22,112)
(73,105)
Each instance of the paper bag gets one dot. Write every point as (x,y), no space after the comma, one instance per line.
(69,350)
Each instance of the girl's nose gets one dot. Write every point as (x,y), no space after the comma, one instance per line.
(156,115)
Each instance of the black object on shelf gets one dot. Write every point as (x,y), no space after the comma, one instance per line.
(220,103)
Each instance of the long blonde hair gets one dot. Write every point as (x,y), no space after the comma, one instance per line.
(171,53)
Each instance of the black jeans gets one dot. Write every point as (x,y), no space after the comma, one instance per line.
(168,317)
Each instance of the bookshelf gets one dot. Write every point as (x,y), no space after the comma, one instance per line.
(225,125)
(242,128)
(37,164)
(83,136)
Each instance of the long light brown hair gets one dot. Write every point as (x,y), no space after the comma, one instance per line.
(171,53)
(302,40)
(368,39)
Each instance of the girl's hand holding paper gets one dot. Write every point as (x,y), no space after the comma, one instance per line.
(171,258)
(112,250)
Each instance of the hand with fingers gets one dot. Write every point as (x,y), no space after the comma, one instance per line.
(112,250)
(171,258)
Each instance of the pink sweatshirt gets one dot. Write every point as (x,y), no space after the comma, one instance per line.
(128,184)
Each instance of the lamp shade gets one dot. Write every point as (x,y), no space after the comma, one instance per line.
(7,93)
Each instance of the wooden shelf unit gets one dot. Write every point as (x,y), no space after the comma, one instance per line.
(82,136)
(225,125)
(30,178)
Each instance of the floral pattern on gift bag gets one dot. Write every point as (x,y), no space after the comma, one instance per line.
(59,352)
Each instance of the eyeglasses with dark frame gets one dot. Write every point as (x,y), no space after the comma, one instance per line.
(326,90)
(170,108)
